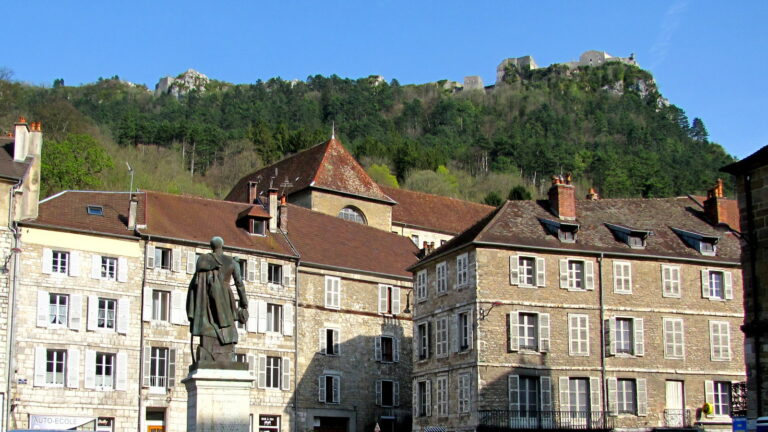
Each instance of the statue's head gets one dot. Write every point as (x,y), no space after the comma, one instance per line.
(217,243)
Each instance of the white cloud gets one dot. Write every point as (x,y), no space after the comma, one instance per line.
(669,25)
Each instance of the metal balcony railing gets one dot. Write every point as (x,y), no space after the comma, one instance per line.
(521,419)
(678,418)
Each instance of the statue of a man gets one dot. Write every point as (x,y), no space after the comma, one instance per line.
(211,306)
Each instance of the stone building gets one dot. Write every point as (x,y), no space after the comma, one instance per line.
(524,62)
(594,313)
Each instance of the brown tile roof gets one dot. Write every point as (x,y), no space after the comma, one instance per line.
(199,219)
(331,241)
(67,210)
(9,168)
(434,212)
(517,223)
(326,166)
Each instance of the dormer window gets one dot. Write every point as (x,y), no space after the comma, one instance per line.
(634,238)
(257,227)
(95,210)
(565,232)
(254,220)
(705,244)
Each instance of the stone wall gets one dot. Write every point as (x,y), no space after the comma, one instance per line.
(377,214)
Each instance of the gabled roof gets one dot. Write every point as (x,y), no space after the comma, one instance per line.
(330,241)
(9,168)
(434,212)
(516,223)
(325,166)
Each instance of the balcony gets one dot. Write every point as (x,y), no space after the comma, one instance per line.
(678,418)
(506,420)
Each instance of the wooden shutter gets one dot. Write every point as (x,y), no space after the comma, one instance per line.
(395,300)
(288,319)
(252,270)
(377,348)
(564,273)
(513,335)
(90,369)
(453,335)
(429,397)
(728,283)
(396,393)
(471,268)
(336,343)
(47,261)
(121,367)
(541,272)
(75,311)
(513,382)
(383,300)
(171,367)
(264,273)
(564,394)
(285,382)
(470,329)
(709,393)
(321,388)
(544,332)
(286,270)
(191,262)
(589,270)
(253,315)
(262,316)
(262,371)
(642,397)
(150,256)
(322,341)
(178,308)
(40,360)
(122,269)
(594,393)
(73,368)
(147,366)
(705,283)
(74,263)
(95,266)
(637,325)
(378,392)
(252,365)
(611,336)
(336,389)
(93,316)
(43,303)
(514,273)
(546,393)
(176,260)
(146,307)
(669,339)
(415,398)
(123,315)
(611,385)
(395,349)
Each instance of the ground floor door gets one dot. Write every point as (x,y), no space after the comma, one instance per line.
(155,421)
(674,413)
(332,424)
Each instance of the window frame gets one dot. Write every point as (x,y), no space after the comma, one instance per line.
(274,274)
(722,393)
(674,338)
(332,292)
(352,214)
(528,330)
(160,358)
(577,276)
(464,337)
(720,341)
(100,379)
(464,393)
(102,322)
(671,283)
(626,338)
(61,310)
(163,258)
(422,344)
(56,359)
(161,305)
(60,262)
(622,277)
(441,276)
(626,396)
(109,268)
(274,318)
(274,373)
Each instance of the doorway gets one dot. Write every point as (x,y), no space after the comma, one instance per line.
(674,413)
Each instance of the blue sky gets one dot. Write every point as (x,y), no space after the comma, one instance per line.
(709,58)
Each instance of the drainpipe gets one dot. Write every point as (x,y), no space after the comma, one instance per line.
(141,335)
(753,247)
(11,330)
(296,347)
(602,334)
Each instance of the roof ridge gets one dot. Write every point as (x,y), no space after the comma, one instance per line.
(435,195)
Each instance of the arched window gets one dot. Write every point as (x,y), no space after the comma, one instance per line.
(353,214)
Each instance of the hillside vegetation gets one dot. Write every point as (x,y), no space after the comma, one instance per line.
(607,125)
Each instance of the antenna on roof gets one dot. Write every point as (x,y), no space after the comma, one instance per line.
(131,171)
(333,129)
(286,184)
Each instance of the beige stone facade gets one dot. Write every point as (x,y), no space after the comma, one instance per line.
(376,214)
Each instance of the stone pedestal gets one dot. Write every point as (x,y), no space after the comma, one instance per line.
(218,397)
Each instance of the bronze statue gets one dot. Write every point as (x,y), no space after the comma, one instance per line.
(211,306)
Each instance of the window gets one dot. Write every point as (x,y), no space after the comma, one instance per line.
(329,389)
(95,210)
(332,292)
(716,284)
(387,393)
(578,394)
(442,277)
(722,398)
(108,268)
(387,349)
(625,336)
(58,309)
(528,331)
(635,241)
(464,393)
(670,281)
(258,226)
(527,328)
(528,396)
(462,270)
(159,367)
(577,275)
(105,371)
(465,331)
(625,396)
(389,299)
(442,395)
(673,338)
(329,341)
(163,258)
(59,262)
(624,343)
(703,243)
(55,367)
(421,285)
(275,274)
(423,398)
(527,268)
(720,340)
(273,372)
(441,337)
(352,214)
(415,239)
(106,314)
(423,340)
(274,317)
(622,277)
(526,271)
(578,335)
(160,305)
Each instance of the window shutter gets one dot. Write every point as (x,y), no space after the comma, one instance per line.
(396,393)
(396,349)
(514,397)
(573,334)
(40,359)
(75,311)
(637,325)
(611,384)
(251,270)
(669,340)
(286,275)
(93,316)
(146,307)
(415,398)
(252,367)
(321,388)
(453,336)
(709,392)
(514,274)
(253,315)
(73,368)
(546,393)
(611,336)
(564,394)
(377,348)
(471,329)
(395,300)
(176,260)
(589,269)
(471,268)
(123,315)
(564,273)
(705,283)
(328,292)
(90,369)
(544,332)
(429,398)
(337,292)
(147,366)
(74,263)
(285,383)
(513,339)
(262,371)
(178,308)
(383,299)
(288,319)
(264,274)
(96,266)
(150,256)
(191,262)
(262,325)
(617,270)
(43,302)
(171,367)
(728,282)
(336,389)
(541,272)
(122,269)
(322,341)
(642,397)
(336,344)
(121,376)
(594,393)
(47,261)
(714,340)
(378,392)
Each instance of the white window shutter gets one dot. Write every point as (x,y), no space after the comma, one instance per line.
(429,398)
(396,393)
(150,256)
(642,397)
(616,273)
(611,336)
(90,369)
(145,371)
(146,312)
(383,299)
(513,335)
(252,366)
(74,263)
(252,270)
(96,266)
(285,382)
(453,335)
(514,274)
(471,268)
(714,340)
(564,394)
(123,315)
(377,348)
(322,341)
(171,367)
(286,275)
(639,336)
(611,384)
(191,262)
(321,388)
(544,332)
(262,316)
(564,273)
(40,360)
(470,330)
(122,269)
(589,270)
(395,349)
(73,368)
(253,315)
(43,304)
(395,300)
(594,393)
(75,311)
(728,282)
(178,308)
(669,343)
(337,389)
(176,260)
(336,342)
(47,261)
(513,387)
(709,392)
(378,392)
(328,291)
(93,316)
(121,377)
(415,398)
(264,274)
(546,393)
(262,371)
(541,272)
(705,283)
(288,319)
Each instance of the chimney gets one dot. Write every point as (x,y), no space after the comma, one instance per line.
(132,209)
(283,214)
(21,142)
(36,139)
(273,210)
(715,208)
(592,195)
(252,192)
(562,198)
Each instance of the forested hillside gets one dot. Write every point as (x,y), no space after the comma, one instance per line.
(607,125)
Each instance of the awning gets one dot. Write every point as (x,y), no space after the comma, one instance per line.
(57,422)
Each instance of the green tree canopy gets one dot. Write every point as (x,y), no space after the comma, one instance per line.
(519,193)
(72,163)
(492,199)
(381,174)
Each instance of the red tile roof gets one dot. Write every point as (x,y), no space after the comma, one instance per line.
(327,240)
(434,212)
(325,166)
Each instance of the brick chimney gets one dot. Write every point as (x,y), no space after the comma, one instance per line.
(715,207)
(562,198)
(592,195)
(283,214)
(253,192)
(273,210)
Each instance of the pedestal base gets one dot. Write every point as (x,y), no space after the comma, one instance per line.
(218,400)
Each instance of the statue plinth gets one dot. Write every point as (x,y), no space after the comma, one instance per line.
(218,397)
